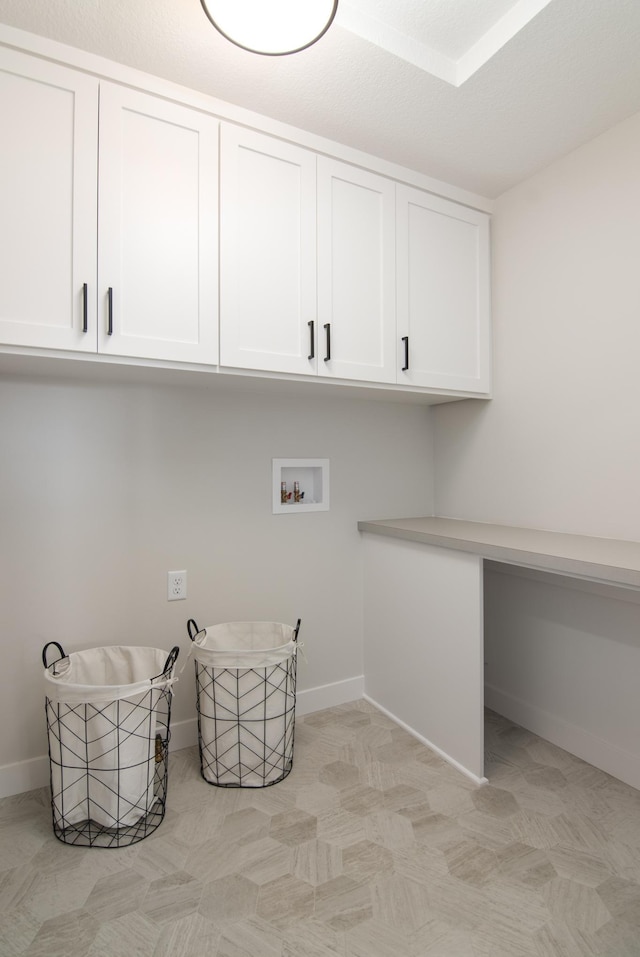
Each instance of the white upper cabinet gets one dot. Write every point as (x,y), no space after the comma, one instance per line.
(356,273)
(443,293)
(289,303)
(126,264)
(48,234)
(157,272)
(267,253)
(127,217)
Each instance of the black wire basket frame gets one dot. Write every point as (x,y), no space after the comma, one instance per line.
(246,721)
(109,763)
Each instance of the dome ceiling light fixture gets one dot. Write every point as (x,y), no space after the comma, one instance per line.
(271,27)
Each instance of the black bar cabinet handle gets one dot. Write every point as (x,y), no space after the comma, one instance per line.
(85,306)
(312,344)
(110,319)
(327,329)
(405,339)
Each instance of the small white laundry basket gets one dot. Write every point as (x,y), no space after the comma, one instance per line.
(246,697)
(108,716)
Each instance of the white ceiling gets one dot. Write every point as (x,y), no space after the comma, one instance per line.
(479,93)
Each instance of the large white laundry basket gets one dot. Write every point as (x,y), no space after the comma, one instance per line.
(246,698)
(108,715)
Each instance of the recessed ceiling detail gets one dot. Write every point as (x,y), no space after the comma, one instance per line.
(451,39)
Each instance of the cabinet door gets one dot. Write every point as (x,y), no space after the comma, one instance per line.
(157,228)
(356,273)
(48,171)
(443,293)
(267,253)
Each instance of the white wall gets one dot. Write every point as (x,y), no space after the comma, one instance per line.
(105,488)
(559,445)
(563,658)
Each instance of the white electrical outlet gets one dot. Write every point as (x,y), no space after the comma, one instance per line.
(176,585)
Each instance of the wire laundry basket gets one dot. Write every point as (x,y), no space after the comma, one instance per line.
(108,716)
(246,697)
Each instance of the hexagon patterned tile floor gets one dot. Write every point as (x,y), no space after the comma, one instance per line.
(372,847)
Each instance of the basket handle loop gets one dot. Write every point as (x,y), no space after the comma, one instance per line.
(192,629)
(46,648)
(171,660)
(296,630)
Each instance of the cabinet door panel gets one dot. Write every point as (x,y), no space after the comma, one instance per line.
(443,292)
(48,169)
(267,253)
(157,218)
(356,271)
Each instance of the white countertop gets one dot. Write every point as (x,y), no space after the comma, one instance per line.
(609,560)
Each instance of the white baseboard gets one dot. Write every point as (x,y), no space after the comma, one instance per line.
(24,776)
(184,734)
(328,696)
(621,764)
(429,744)
(28,775)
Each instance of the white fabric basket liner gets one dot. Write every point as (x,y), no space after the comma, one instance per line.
(244,644)
(103,749)
(246,733)
(100,675)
